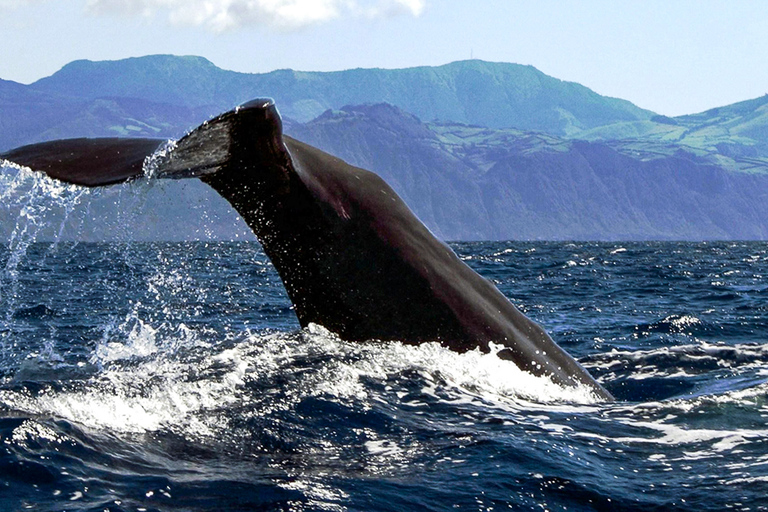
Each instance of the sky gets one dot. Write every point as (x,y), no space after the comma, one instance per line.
(672,56)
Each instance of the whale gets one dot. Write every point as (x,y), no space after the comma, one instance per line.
(352,256)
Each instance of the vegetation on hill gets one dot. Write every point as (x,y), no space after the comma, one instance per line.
(477,92)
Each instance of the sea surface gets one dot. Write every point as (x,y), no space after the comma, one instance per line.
(175,377)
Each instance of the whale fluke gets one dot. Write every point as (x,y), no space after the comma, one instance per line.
(88,162)
(352,255)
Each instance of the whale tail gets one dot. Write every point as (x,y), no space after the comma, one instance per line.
(352,255)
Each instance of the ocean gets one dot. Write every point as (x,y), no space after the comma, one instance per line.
(175,377)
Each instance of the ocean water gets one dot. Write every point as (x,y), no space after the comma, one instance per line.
(175,377)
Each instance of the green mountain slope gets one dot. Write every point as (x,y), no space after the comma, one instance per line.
(476,92)
(738,132)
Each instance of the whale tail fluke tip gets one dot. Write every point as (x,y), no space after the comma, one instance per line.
(258,103)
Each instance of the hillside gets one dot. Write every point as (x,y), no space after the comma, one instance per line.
(26,114)
(474,183)
(477,92)
(738,131)
(470,182)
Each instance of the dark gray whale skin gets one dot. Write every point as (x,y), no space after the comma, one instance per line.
(351,254)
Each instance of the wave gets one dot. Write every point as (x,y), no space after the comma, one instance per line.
(134,386)
(688,370)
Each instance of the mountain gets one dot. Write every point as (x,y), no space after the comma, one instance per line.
(477,92)
(185,81)
(478,150)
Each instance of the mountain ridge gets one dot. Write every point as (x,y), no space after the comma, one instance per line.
(487,93)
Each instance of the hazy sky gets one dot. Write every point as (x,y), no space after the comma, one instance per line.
(670,56)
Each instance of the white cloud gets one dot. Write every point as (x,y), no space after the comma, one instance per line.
(221,15)
(13,4)
(395,7)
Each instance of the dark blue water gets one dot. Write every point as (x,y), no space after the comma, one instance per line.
(175,377)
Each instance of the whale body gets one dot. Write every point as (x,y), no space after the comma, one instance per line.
(352,256)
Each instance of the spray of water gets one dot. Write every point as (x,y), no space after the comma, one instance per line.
(35,209)
(34,200)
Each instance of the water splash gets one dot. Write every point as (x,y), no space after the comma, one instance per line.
(194,388)
(34,199)
(28,201)
(34,210)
